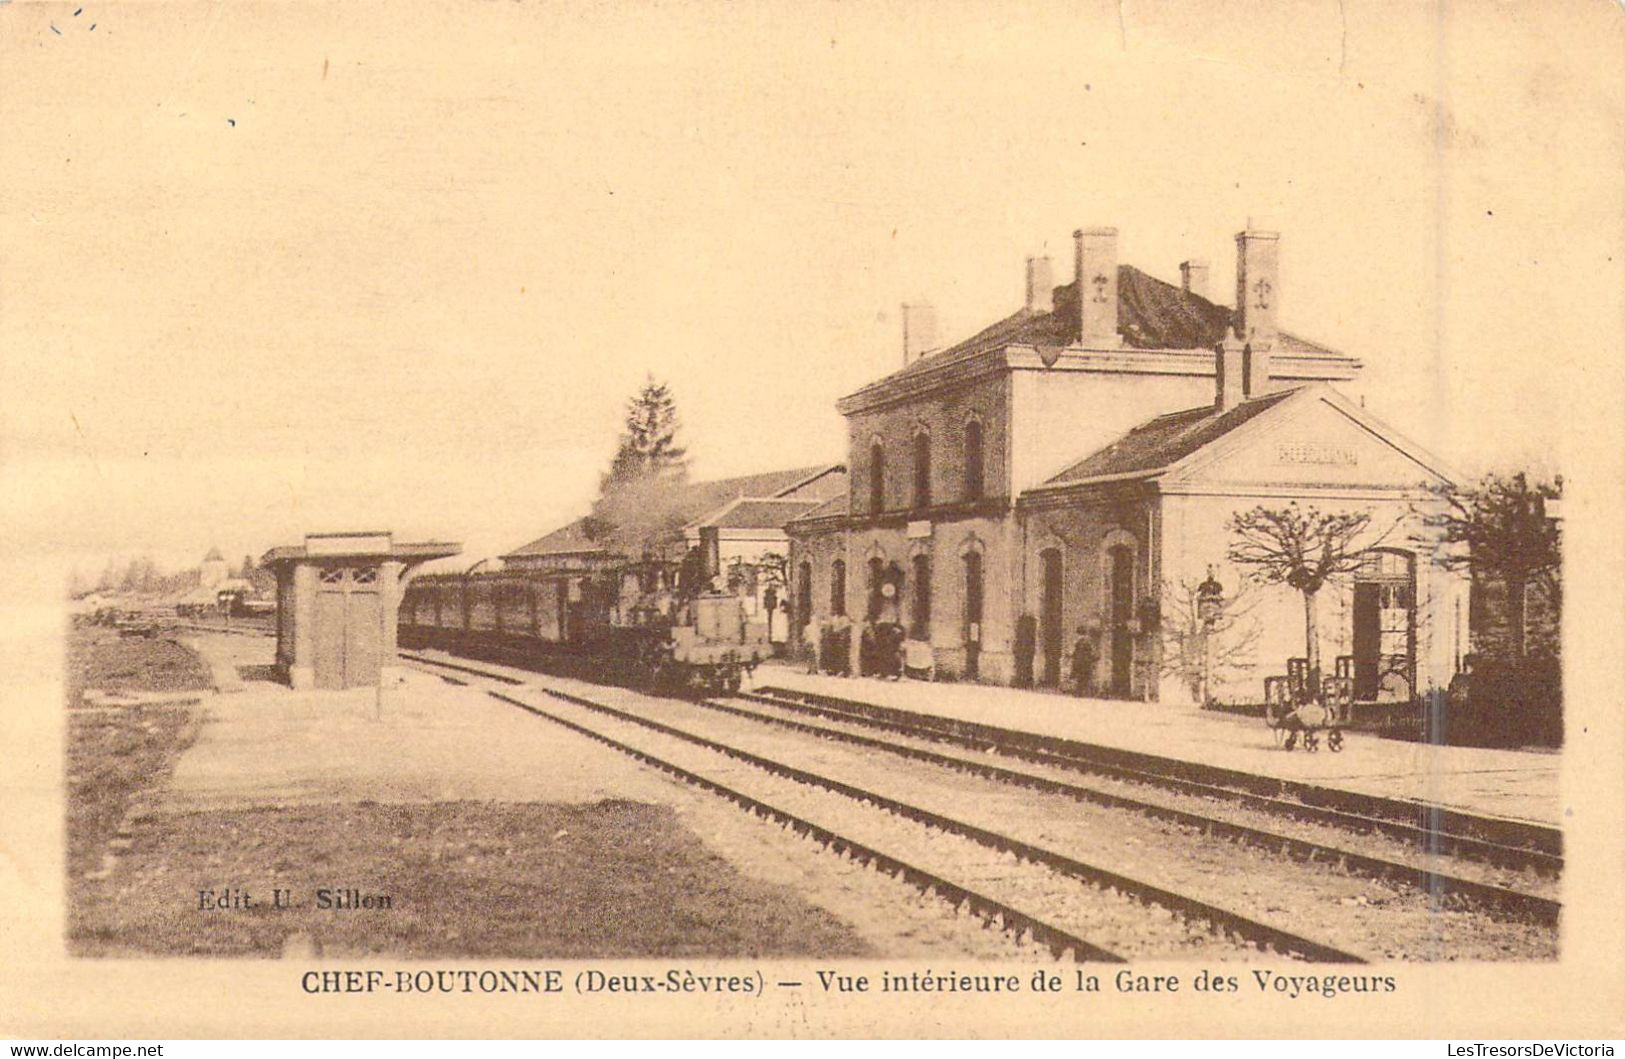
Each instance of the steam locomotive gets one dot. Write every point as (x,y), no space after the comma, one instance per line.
(652,625)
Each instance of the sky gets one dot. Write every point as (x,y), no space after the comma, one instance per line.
(271,269)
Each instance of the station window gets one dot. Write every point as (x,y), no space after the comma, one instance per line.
(837,588)
(920,625)
(974,481)
(922,469)
(803,609)
(877,479)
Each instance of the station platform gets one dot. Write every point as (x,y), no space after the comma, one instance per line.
(1515,785)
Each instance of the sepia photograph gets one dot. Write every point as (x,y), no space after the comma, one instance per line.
(596,520)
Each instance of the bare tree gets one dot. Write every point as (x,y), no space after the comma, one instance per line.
(1303,548)
(1196,648)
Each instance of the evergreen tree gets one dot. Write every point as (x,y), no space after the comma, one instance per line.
(648,444)
(1506,534)
(636,510)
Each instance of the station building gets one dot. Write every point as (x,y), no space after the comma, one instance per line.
(1069,471)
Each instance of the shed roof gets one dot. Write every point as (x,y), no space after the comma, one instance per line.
(418,551)
(694,500)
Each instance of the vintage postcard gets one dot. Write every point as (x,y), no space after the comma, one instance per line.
(816,520)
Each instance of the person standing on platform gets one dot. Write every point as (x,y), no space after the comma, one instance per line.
(1083,662)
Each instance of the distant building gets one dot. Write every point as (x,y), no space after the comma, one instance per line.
(213,569)
(582,574)
(1069,465)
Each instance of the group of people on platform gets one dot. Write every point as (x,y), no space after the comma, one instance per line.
(884,651)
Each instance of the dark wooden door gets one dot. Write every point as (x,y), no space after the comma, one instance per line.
(973,615)
(1120,562)
(1050,632)
(1367,640)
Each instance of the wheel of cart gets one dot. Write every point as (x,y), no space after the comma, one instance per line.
(1297,717)
(1278,707)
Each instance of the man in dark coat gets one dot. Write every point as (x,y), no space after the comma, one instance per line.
(1083,661)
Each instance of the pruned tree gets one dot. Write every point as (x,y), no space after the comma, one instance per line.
(1500,529)
(1305,549)
(1194,649)
(636,510)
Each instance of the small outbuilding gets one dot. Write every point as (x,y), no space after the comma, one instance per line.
(337,595)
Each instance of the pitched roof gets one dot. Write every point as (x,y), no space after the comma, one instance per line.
(692,501)
(1159,442)
(700,497)
(757,513)
(566,540)
(833,507)
(214,556)
(1151,314)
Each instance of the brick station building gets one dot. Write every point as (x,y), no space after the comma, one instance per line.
(1073,466)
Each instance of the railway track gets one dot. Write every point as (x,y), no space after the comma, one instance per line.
(1430,829)
(1495,899)
(1025,855)
(1440,888)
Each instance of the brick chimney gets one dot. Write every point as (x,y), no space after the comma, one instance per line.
(1040,284)
(1258,298)
(1193,276)
(1258,286)
(1096,276)
(1229,379)
(919,330)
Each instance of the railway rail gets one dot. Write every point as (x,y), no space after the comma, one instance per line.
(1496,901)
(1431,829)
(1183,907)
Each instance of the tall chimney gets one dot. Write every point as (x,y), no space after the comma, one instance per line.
(1258,286)
(1193,276)
(1040,284)
(1229,379)
(919,330)
(1258,298)
(1096,276)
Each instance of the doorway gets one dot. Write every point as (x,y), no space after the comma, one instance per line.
(973,615)
(1049,610)
(1385,628)
(1119,614)
(348,637)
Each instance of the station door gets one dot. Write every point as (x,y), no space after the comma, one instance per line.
(349,638)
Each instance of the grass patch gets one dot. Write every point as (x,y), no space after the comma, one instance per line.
(101,658)
(112,755)
(466,879)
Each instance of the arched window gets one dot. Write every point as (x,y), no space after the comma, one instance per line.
(920,623)
(922,469)
(877,576)
(803,601)
(837,588)
(974,481)
(1050,613)
(973,614)
(877,479)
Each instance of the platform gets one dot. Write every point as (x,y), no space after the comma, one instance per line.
(423,740)
(1509,784)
